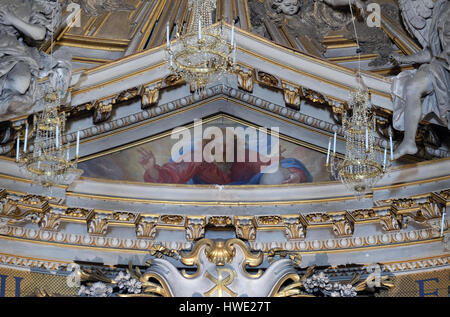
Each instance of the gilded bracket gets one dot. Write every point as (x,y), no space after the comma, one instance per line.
(245,79)
(150,95)
(292,96)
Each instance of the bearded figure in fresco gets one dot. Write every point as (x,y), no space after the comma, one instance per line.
(24,25)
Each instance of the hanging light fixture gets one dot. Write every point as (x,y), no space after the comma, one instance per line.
(363,164)
(49,162)
(201,55)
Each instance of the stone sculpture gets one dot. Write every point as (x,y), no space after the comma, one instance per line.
(423,94)
(24,25)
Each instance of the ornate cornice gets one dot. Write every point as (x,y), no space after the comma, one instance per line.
(392,215)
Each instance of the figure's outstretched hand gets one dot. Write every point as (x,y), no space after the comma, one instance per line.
(147,159)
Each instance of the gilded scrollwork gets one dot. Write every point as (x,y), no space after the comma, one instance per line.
(103,110)
(123,216)
(268,80)
(318,218)
(270,220)
(220,221)
(77,212)
(172,219)
(363,214)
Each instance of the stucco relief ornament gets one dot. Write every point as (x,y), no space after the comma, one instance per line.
(310,18)
(423,94)
(24,25)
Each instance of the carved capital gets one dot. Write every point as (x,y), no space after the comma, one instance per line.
(430,210)
(295,229)
(245,80)
(343,227)
(103,110)
(51,220)
(150,95)
(195,228)
(391,223)
(292,96)
(98,224)
(245,228)
(146,227)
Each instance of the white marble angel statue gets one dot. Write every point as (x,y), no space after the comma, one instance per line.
(423,94)
(23,26)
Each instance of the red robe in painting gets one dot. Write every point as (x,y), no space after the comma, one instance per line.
(210,173)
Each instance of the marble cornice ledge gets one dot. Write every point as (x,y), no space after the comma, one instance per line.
(432,172)
(252,100)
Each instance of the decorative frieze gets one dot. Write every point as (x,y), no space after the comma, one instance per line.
(220,221)
(172,220)
(268,80)
(318,218)
(363,214)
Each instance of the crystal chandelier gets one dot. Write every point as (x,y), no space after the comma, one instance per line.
(48,163)
(363,164)
(201,55)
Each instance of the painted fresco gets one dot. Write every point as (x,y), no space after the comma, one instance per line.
(153,162)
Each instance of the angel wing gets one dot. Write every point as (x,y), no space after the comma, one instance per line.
(416,16)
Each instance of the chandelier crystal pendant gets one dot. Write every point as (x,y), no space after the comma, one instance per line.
(363,165)
(49,162)
(201,55)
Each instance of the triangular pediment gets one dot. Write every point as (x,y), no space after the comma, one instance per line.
(298,158)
